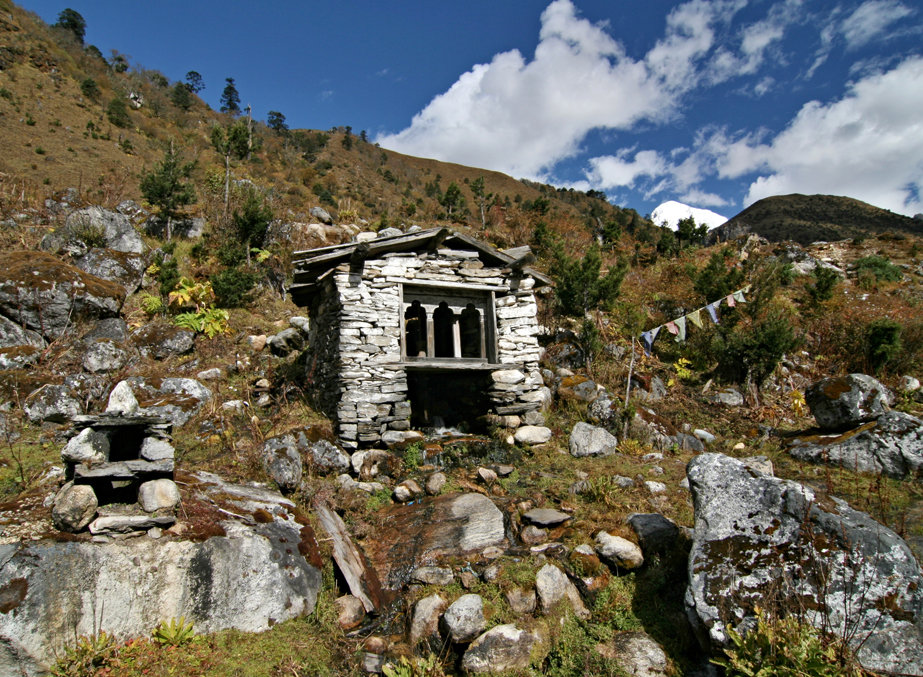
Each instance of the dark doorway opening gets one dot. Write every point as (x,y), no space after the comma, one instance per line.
(449,399)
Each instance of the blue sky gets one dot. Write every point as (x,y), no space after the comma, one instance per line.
(715,103)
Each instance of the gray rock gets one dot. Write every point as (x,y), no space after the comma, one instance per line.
(326,458)
(729,397)
(532,434)
(389,232)
(704,435)
(532,535)
(104,355)
(425,622)
(623,482)
(655,487)
(191,228)
(504,648)
(321,215)
(589,440)
(909,384)
(636,653)
(74,507)
(579,388)
(113,328)
(212,374)
(282,462)
(758,537)
(122,268)
(302,324)
(521,601)
(655,532)
(89,446)
(52,403)
(430,575)
(91,225)
(552,586)
(844,402)
(546,517)
(141,581)
(121,524)
(648,389)
(435,483)
(286,342)
(603,409)
(350,611)
(161,494)
(891,446)
(44,294)
(18,347)
(464,619)
(122,400)
(407,491)
(161,340)
(155,449)
(177,399)
(618,552)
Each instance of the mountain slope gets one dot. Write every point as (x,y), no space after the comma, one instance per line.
(813,218)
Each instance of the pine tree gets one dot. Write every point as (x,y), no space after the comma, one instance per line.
(482,197)
(230,99)
(452,200)
(70,20)
(194,82)
(276,121)
(253,221)
(166,187)
(578,285)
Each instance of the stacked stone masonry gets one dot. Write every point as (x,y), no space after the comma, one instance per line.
(355,366)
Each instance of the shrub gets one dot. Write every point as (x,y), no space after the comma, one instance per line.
(92,235)
(89,88)
(168,276)
(232,286)
(716,280)
(578,285)
(883,341)
(825,281)
(117,113)
(880,267)
(754,351)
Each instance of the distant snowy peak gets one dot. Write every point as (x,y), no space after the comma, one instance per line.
(673,212)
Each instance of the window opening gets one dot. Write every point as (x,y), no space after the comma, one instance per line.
(415,330)
(444,330)
(472,329)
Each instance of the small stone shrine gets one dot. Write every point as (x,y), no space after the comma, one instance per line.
(426,329)
(119,472)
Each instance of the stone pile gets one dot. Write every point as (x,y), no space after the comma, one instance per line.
(119,473)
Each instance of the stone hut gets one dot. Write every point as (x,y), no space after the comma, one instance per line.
(419,330)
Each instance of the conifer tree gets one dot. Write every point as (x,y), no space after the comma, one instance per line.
(70,20)
(230,99)
(166,187)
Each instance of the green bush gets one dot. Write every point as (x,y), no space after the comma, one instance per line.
(89,88)
(117,113)
(825,282)
(232,286)
(880,267)
(168,276)
(754,351)
(883,341)
(578,285)
(716,280)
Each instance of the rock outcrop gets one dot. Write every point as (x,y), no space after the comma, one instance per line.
(840,403)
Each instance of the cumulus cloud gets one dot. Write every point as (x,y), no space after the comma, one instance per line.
(522,117)
(867,145)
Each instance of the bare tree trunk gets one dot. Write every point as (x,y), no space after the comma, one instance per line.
(227,183)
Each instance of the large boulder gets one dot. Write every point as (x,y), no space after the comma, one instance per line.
(124,268)
(177,399)
(761,541)
(53,404)
(161,340)
(18,347)
(192,228)
(52,591)
(891,446)
(45,294)
(846,401)
(94,226)
(410,536)
(284,455)
(504,648)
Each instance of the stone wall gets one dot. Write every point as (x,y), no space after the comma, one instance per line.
(354,362)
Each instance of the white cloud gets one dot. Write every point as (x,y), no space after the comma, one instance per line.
(522,117)
(868,145)
(703,199)
(616,171)
(870,20)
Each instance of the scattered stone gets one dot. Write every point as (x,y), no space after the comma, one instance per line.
(655,487)
(425,622)
(74,507)
(533,434)
(704,435)
(623,482)
(589,440)
(656,533)
(648,388)
(521,601)
(468,579)
(760,464)
(89,446)
(286,342)
(552,586)
(349,483)
(127,523)
(103,355)
(546,517)
(257,343)
(909,384)
(154,533)
(212,374)
(757,535)
(729,397)
(847,401)
(122,400)
(618,552)
(578,388)
(350,612)
(487,476)
(389,232)
(321,215)
(504,648)
(430,575)
(161,494)
(407,491)
(122,268)
(435,483)
(532,535)
(52,403)
(650,458)
(636,653)
(155,449)
(464,619)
